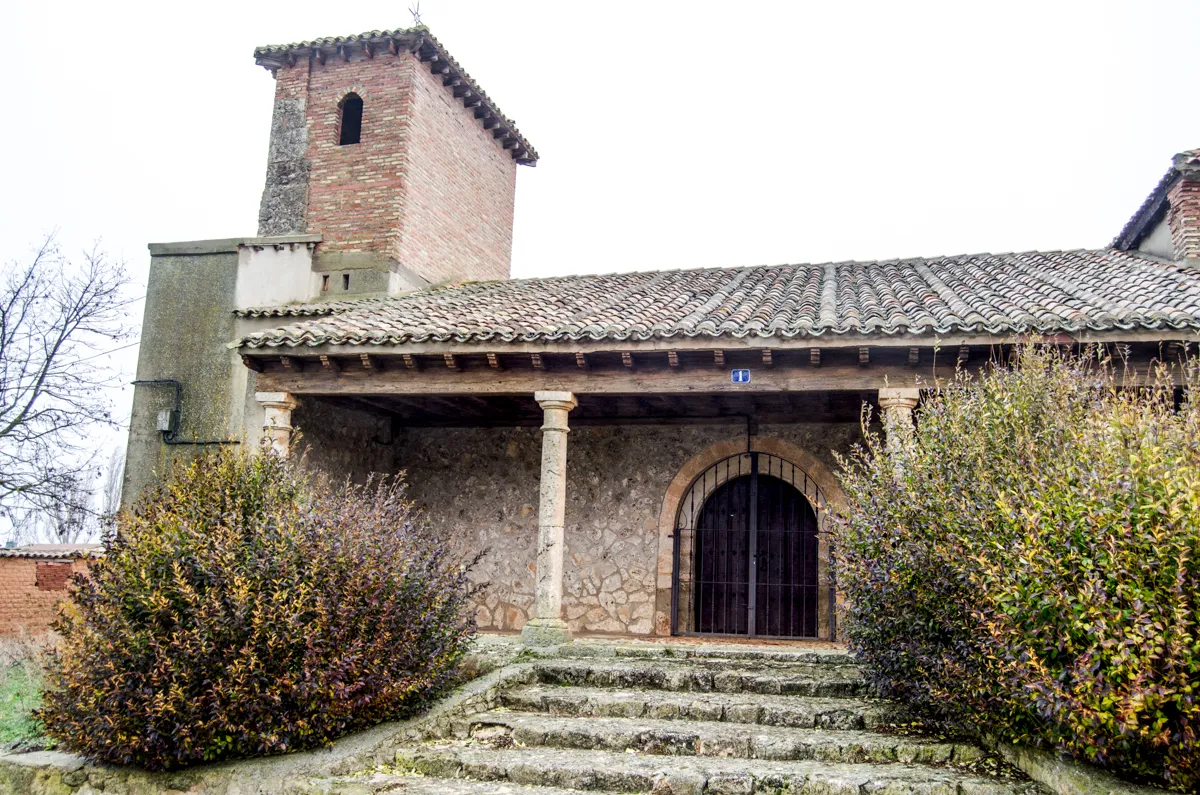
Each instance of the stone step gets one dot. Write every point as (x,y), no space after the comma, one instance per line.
(817,654)
(372,783)
(693,775)
(702,738)
(696,677)
(716,664)
(796,711)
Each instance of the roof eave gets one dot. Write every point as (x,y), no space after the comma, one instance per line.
(1153,210)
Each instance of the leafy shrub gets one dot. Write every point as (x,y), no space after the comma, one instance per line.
(246,609)
(1034,570)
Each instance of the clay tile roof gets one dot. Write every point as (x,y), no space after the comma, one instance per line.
(419,40)
(52,551)
(1044,292)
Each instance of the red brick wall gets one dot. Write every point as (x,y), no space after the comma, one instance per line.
(458,211)
(354,191)
(30,590)
(427,185)
(1184,219)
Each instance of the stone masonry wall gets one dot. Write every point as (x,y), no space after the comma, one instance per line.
(480,486)
(285,192)
(30,590)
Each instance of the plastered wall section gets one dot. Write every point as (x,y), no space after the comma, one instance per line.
(479,487)
(187,320)
(30,591)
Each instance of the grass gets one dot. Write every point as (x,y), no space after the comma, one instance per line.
(20,695)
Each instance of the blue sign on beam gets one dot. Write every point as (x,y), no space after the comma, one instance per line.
(739,376)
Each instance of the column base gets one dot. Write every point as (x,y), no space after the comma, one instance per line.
(545,632)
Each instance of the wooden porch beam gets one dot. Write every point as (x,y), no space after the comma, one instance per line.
(629,381)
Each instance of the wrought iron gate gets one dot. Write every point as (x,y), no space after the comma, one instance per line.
(751,555)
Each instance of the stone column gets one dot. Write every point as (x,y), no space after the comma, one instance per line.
(547,627)
(897,407)
(277,420)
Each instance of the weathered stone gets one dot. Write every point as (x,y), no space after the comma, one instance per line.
(617,477)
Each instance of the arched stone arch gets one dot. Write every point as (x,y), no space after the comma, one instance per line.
(826,481)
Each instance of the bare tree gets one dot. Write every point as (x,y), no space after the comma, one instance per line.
(114,480)
(57,318)
(70,519)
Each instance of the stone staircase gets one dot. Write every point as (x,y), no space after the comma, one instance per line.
(674,719)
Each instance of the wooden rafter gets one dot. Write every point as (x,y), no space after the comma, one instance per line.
(367,362)
(409,361)
(864,356)
(536,360)
(672,358)
(494,361)
(814,357)
(331,364)
(914,356)
(718,358)
(581,361)
(627,359)
(252,363)
(767,359)
(451,362)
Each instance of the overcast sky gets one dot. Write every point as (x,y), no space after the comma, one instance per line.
(671,134)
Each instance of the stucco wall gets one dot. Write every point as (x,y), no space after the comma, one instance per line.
(480,485)
(187,320)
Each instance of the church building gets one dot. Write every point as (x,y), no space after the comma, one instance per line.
(639,454)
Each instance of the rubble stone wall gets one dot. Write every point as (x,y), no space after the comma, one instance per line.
(480,485)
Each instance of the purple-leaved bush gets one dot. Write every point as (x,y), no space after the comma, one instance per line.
(248,608)
(1034,572)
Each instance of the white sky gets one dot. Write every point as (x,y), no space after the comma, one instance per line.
(672,134)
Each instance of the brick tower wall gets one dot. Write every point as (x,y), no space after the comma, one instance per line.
(459,202)
(428,192)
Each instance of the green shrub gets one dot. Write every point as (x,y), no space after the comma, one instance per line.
(246,609)
(1033,572)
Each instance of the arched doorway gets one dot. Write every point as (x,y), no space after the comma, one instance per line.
(747,551)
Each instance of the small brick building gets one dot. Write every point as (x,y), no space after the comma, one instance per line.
(33,580)
(705,408)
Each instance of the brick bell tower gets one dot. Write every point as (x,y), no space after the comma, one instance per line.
(386,147)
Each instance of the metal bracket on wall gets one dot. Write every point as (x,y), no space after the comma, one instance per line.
(171,432)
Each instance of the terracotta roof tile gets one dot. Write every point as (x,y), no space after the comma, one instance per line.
(1104,290)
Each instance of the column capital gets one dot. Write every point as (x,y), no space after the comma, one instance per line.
(906,398)
(556,400)
(277,400)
